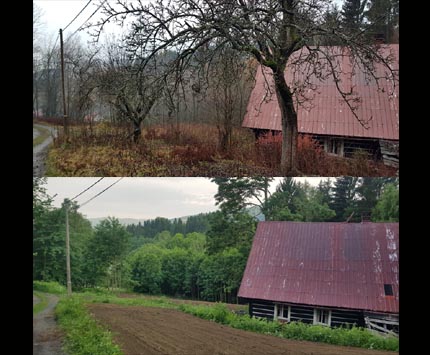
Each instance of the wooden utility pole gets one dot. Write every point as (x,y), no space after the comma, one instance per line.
(66,127)
(69,278)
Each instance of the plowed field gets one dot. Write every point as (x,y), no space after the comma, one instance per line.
(155,331)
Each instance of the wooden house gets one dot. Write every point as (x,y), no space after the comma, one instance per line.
(328,273)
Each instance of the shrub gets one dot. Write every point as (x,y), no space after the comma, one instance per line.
(49,287)
(83,335)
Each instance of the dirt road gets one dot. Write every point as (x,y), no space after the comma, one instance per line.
(46,335)
(40,150)
(154,331)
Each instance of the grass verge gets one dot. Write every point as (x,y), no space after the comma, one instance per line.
(83,335)
(49,287)
(42,304)
(44,133)
(357,337)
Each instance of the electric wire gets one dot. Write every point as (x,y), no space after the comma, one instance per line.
(87,189)
(77,15)
(92,198)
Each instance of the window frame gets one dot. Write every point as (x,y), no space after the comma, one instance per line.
(338,143)
(317,313)
(281,307)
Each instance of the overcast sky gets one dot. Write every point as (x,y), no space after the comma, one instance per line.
(142,198)
(57,14)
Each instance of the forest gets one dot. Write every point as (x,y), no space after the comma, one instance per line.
(173,106)
(203,257)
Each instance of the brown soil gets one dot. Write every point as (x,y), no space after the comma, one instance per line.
(153,331)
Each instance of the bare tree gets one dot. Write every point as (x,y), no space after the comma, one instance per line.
(82,66)
(129,88)
(270,30)
(228,74)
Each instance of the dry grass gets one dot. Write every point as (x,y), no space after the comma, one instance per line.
(191,150)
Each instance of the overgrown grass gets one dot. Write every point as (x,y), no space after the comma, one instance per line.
(72,310)
(190,150)
(357,337)
(44,133)
(49,287)
(38,307)
(83,335)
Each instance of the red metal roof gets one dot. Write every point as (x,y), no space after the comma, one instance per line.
(330,264)
(328,114)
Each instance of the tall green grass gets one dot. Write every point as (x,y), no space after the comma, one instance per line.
(38,307)
(354,336)
(83,335)
(49,287)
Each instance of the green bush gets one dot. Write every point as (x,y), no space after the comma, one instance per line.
(354,336)
(83,335)
(49,287)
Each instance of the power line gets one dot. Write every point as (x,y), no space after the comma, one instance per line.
(86,189)
(89,18)
(77,15)
(92,198)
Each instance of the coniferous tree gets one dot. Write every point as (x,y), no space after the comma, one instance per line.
(352,14)
(344,191)
(383,18)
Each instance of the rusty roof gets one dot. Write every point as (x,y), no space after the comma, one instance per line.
(330,264)
(326,113)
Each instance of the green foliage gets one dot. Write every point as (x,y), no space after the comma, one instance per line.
(294,201)
(220,275)
(49,287)
(49,247)
(383,18)
(234,194)
(105,253)
(354,336)
(146,274)
(218,313)
(43,302)
(83,335)
(387,208)
(228,231)
(342,202)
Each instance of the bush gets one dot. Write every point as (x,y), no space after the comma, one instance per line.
(354,336)
(83,335)
(49,287)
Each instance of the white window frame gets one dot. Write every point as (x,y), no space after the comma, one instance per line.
(281,307)
(328,144)
(317,312)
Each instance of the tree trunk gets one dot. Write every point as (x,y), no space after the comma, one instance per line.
(289,125)
(137,131)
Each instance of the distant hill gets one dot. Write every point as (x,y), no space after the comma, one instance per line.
(127,221)
(255,211)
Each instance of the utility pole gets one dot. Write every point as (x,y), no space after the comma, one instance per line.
(66,127)
(69,278)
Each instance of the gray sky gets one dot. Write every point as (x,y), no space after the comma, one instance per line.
(142,198)
(57,14)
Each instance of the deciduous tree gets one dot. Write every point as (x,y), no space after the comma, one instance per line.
(272,31)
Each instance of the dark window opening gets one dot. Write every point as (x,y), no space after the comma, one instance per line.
(388,289)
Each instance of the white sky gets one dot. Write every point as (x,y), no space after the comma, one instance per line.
(57,14)
(142,198)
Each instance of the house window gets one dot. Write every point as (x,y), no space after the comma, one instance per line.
(334,146)
(322,316)
(282,312)
(388,289)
